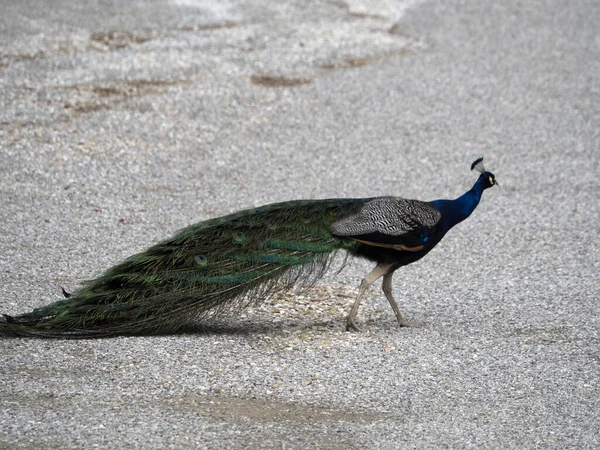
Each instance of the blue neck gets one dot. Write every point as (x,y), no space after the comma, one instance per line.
(455,211)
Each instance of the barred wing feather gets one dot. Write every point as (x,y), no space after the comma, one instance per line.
(388,221)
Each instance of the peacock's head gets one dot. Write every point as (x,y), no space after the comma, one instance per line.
(488,179)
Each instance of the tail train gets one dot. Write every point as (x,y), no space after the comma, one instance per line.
(217,265)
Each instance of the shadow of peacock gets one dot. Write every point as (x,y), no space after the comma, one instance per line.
(229,262)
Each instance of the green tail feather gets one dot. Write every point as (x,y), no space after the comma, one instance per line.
(218,265)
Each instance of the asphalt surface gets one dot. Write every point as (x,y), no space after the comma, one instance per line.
(122,122)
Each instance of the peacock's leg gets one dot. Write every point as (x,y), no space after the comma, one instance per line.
(379,271)
(387,290)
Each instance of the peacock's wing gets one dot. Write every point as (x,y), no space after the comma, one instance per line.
(390,222)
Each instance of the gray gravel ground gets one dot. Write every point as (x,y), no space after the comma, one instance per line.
(122,122)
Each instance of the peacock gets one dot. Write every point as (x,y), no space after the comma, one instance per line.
(230,262)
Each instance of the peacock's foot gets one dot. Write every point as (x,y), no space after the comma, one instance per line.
(400,322)
(351,325)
